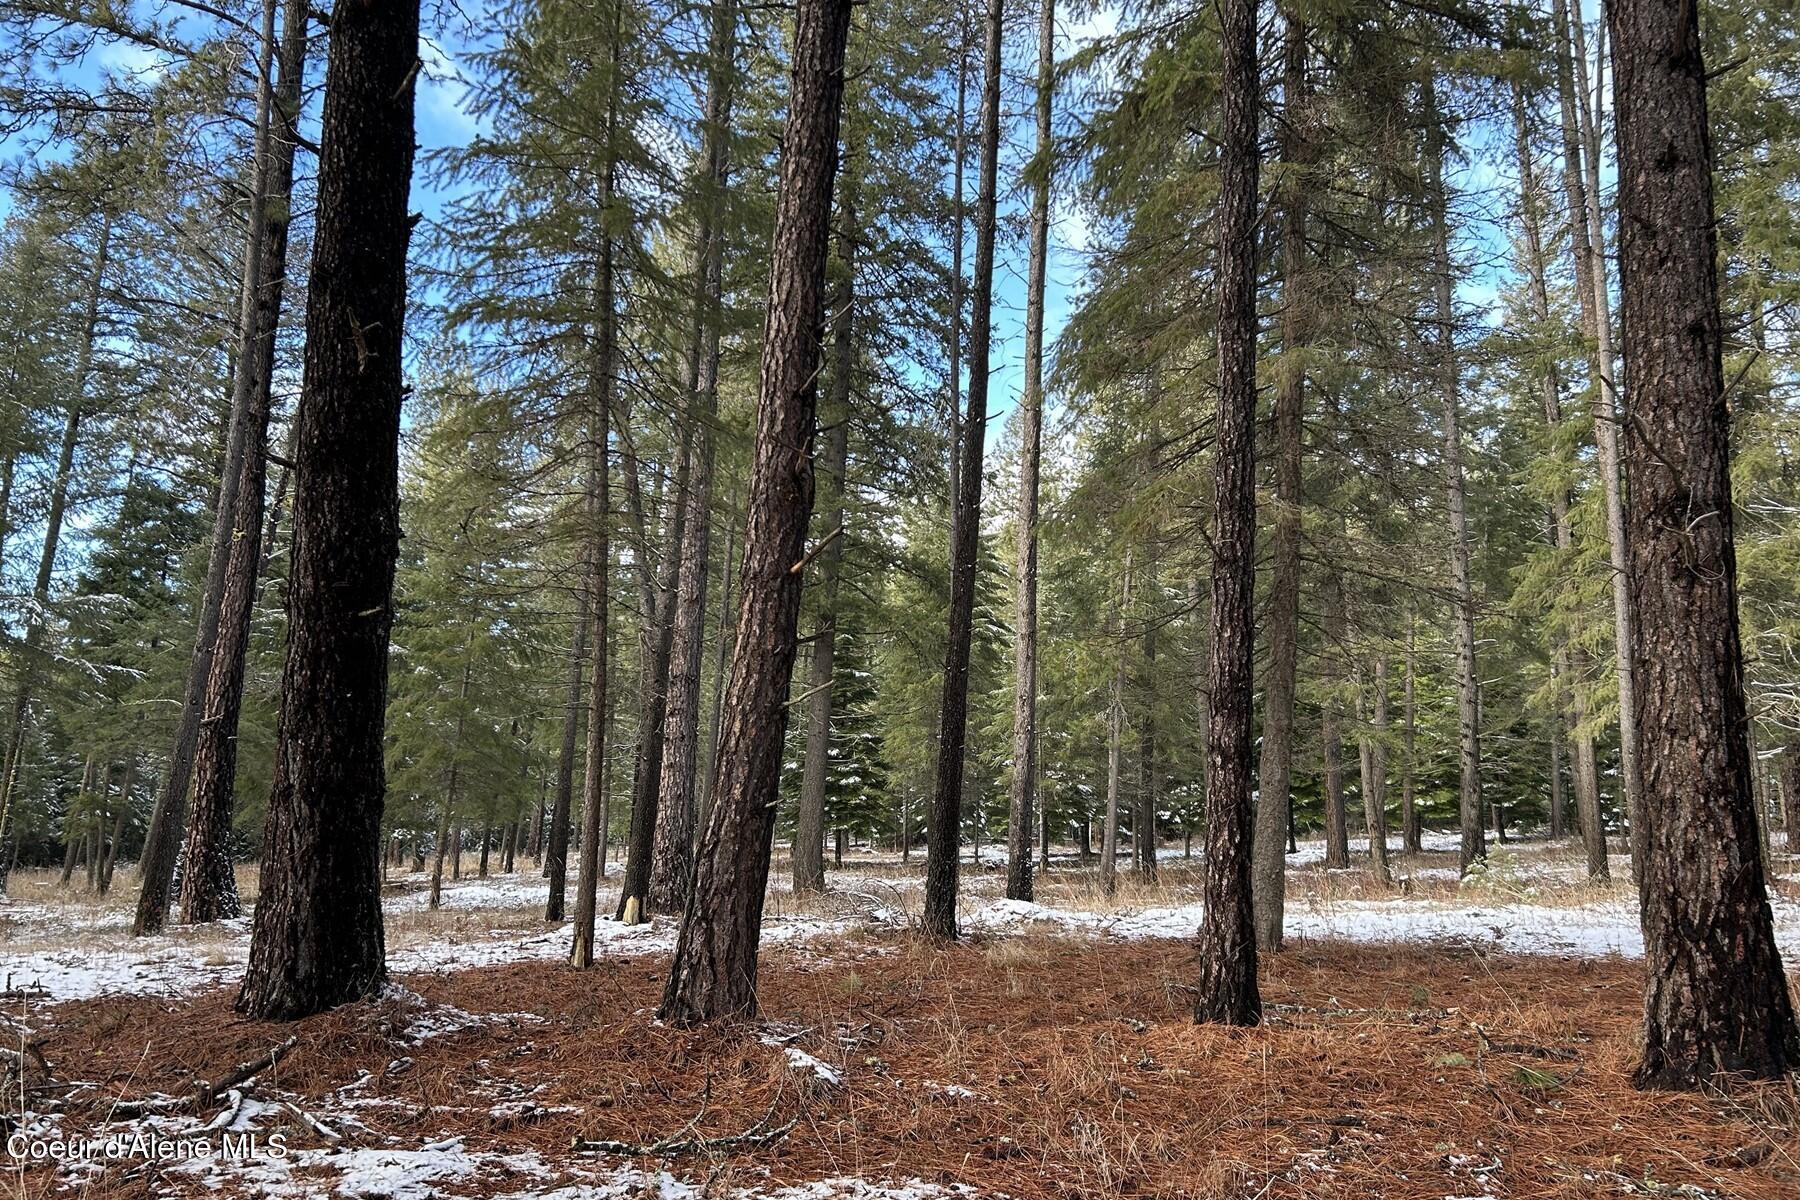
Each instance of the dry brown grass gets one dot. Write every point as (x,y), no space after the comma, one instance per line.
(1369,1078)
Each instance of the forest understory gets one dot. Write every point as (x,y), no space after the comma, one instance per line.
(1425,1041)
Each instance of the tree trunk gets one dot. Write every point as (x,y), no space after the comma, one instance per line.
(594,791)
(1559,800)
(1717,1000)
(1411,832)
(1584,766)
(727,635)
(555,843)
(1227,986)
(1282,619)
(538,817)
(670,870)
(1331,730)
(209,884)
(1043,836)
(945,826)
(1023,796)
(1143,828)
(71,838)
(118,829)
(318,938)
(1374,776)
(809,826)
(1561,529)
(447,834)
(656,643)
(1468,680)
(714,972)
(1597,315)
(958,225)
(1115,742)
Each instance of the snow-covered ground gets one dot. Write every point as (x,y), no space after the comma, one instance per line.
(174,964)
(78,951)
(1530,900)
(424,1173)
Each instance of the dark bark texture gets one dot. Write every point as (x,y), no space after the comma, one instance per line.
(1717,999)
(209,887)
(318,938)
(1227,992)
(671,870)
(943,834)
(714,972)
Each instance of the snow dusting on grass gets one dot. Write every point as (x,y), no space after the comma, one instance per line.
(1530,898)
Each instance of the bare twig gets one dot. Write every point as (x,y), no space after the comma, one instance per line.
(758,1135)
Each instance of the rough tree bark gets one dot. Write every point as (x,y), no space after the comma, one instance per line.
(1468,681)
(944,829)
(1023,797)
(671,868)
(1227,991)
(209,884)
(809,825)
(1717,1000)
(1282,617)
(714,972)
(318,937)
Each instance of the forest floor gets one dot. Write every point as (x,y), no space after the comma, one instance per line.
(1422,1041)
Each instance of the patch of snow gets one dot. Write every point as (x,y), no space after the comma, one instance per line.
(803,1062)
(629,1182)
(166,970)
(1589,930)
(474,896)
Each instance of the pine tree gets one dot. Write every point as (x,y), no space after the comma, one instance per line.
(714,972)
(318,938)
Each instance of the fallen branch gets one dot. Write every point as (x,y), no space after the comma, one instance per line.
(203,1095)
(1490,1046)
(674,1146)
(311,1122)
(228,1116)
